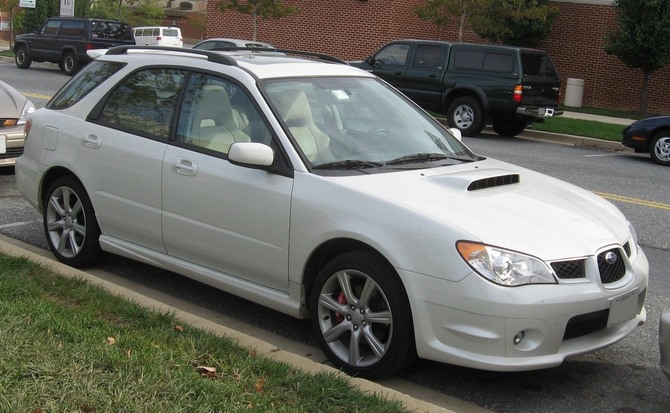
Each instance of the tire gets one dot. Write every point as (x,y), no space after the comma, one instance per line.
(466,114)
(22,57)
(70,226)
(351,329)
(508,127)
(70,65)
(659,149)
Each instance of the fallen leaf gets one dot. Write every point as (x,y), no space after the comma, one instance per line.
(179,328)
(206,371)
(111,341)
(128,352)
(253,353)
(260,386)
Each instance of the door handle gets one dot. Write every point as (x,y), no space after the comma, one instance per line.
(92,141)
(186,167)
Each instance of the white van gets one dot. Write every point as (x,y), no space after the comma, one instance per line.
(158,36)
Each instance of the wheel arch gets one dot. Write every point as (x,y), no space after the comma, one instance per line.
(21,43)
(49,177)
(466,90)
(653,133)
(326,252)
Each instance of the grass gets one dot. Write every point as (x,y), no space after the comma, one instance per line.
(7,53)
(68,346)
(580,127)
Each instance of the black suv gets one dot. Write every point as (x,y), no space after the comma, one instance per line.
(65,40)
(473,84)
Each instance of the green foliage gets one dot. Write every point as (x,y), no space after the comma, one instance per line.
(259,9)
(442,12)
(514,22)
(642,37)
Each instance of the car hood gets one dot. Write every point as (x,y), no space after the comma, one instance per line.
(504,205)
(11,101)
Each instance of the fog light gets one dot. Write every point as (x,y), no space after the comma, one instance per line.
(518,338)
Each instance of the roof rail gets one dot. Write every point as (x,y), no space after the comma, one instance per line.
(211,56)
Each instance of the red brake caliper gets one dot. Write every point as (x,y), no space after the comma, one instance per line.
(342,300)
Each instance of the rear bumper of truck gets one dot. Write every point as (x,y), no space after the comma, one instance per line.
(538,113)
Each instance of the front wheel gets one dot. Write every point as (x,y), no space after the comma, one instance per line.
(362,315)
(70,226)
(660,148)
(466,114)
(70,65)
(508,127)
(22,58)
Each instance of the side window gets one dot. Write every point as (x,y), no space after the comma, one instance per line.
(428,57)
(393,54)
(73,28)
(51,28)
(145,102)
(217,113)
(469,59)
(499,63)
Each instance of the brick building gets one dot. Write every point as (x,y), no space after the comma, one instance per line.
(353,29)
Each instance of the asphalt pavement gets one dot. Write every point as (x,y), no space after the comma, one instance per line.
(267,345)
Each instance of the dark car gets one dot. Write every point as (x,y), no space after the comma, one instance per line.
(65,40)
(650,135)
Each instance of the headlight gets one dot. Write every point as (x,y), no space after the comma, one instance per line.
(504,267)
(633,235)
(28,109)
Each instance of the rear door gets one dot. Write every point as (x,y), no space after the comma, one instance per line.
(540,81)
(423,79)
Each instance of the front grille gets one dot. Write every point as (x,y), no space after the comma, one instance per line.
(493,182)
(611,271)
(584,324)
(570,269)
(12,153)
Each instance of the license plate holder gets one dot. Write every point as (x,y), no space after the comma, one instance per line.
(623,308)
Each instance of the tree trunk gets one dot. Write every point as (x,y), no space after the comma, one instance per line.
(462,25)
(254,17)
(643,93)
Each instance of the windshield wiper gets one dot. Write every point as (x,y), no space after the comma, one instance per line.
(349,164)
(423,157)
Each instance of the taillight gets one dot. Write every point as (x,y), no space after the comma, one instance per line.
(518,93)
(26,128)
(89,46)
(158,38)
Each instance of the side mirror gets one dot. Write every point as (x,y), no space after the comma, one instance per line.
(457,133)
(252,154)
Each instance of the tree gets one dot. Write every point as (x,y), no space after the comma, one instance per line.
(198,20)
(441,12)
(515,22)
(642,38)
(263,9)
(9,6)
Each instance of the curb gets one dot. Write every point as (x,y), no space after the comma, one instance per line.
(16,248)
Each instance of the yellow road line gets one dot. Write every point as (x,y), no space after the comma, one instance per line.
(35,95)
(635,201)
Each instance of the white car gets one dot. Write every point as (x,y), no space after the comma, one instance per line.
(318,190)
(14,111)
(222,43)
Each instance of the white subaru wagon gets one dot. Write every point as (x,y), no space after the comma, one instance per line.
(316,189)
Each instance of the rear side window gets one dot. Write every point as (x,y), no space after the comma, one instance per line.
(74,28)
(144,103)
(537,64)
(482,60)
(84,82)
(111,30)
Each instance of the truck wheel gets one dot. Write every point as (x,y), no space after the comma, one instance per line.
(660,148)
(70,64)
(22,58)
(508,127)
(466,114)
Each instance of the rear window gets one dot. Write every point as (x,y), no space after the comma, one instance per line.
(171,32)
(482,60)
(537,64)
(83,83)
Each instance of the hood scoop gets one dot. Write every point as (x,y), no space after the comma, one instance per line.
(494,181)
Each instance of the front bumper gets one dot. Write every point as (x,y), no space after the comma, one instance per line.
(11,145)
(473,323)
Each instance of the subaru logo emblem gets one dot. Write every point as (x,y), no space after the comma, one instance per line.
(611,258)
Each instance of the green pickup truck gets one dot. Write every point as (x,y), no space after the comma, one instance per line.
(472,84)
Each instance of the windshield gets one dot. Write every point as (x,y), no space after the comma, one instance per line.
(360,124)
